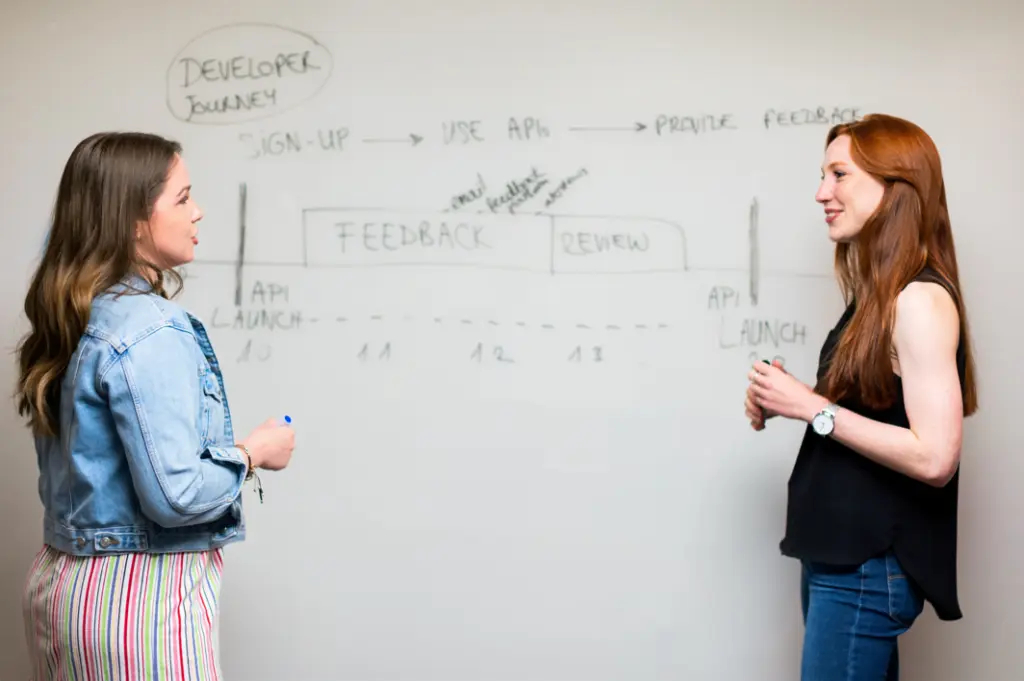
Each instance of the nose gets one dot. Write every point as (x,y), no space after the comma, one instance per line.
(197,213)
(824,193)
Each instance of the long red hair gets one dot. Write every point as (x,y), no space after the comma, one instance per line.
(909,231)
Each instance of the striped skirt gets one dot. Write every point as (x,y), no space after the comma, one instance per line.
(126,616)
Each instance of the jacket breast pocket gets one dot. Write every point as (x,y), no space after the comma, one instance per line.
(212,413)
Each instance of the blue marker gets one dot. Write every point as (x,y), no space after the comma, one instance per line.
(287,419)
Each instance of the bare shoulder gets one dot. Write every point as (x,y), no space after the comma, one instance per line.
(927,321)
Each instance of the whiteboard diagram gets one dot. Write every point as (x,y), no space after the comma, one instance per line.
(554,244)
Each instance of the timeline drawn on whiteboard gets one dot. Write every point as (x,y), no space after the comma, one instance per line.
(534,242)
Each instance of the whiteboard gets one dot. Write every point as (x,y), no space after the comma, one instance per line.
(506,267)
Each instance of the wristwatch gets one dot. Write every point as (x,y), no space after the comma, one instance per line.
(825,420)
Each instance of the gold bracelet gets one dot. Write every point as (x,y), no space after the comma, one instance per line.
(250,472)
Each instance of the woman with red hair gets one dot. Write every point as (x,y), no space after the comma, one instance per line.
(872,513)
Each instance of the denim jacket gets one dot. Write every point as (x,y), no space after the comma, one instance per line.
(144,460)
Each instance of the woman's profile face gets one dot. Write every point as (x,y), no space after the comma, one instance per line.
(171,235)
(848,194)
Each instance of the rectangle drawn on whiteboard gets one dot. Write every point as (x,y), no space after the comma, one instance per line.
(556,244)
(339,237)
(616,245)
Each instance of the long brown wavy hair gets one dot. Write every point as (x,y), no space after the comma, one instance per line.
(909,231)
(107,191)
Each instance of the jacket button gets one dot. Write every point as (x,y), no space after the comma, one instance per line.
(81,542)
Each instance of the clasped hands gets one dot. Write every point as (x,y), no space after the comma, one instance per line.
(775,392)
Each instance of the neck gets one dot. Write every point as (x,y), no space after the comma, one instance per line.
(140,279)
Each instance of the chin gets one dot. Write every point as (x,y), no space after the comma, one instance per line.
(839,235)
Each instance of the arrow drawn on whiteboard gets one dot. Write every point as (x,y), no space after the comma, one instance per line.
(413,138)
(636,127)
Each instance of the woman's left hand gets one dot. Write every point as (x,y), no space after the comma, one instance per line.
(777,391)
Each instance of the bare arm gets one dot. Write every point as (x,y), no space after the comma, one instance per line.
(926,337)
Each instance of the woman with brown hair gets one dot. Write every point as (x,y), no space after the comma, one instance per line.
(139,472)
(872,512)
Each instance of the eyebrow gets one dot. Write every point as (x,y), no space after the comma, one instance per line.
(184,189)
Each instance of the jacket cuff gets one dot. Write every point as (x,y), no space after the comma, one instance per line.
(232,454)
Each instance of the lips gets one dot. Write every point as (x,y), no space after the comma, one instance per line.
(831,215)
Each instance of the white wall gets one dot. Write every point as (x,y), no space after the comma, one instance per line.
(450,515)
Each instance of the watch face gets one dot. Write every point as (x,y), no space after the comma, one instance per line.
(822,424)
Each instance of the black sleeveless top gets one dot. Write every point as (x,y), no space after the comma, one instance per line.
(844,508)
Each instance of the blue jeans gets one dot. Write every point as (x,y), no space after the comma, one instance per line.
(852,618)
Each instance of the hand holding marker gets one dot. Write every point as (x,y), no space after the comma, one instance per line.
(764,412)
(270,446)
(287,422)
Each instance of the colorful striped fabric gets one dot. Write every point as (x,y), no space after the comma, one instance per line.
(123,617)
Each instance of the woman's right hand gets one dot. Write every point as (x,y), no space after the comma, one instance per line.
(270,445)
